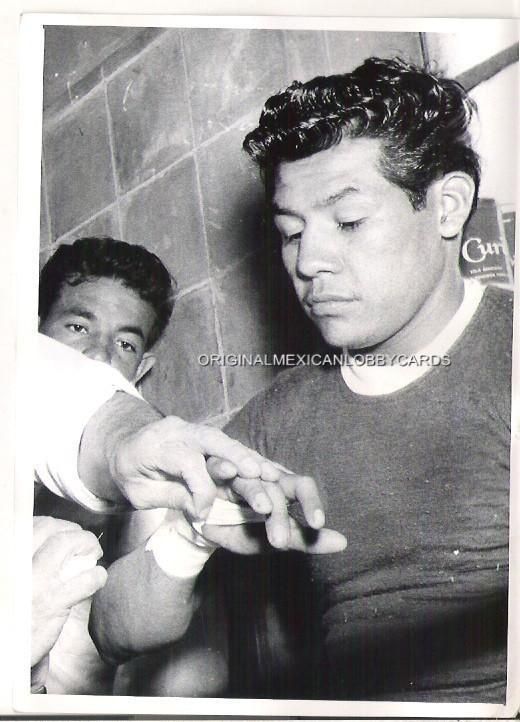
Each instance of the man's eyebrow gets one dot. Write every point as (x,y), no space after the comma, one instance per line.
(79,311)
(136,330)
(325,202)
(334,197)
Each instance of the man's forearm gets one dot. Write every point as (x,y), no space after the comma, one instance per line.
(140,608)
(103,445)
(117,419)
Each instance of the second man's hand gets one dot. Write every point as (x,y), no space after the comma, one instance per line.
(153,461)
(130,454)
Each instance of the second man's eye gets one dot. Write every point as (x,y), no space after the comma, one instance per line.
(76,328)
(126,346)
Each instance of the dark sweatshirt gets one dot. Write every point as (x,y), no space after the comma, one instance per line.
(415,609)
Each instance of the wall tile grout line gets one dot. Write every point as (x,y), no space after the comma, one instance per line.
(423,44)
(243,119)
(85,222)
(288,71)
(111,144)
(327,50)
(45,194)
(218,331)
(185,156)
(55,118)
(234,411)
(230,267)
(193,288)
(50,121)
(156,176)
(217,419)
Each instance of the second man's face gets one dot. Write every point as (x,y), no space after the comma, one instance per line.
(365,265)
(104,320)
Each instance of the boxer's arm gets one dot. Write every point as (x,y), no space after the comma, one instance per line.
(141,608)
(149,598)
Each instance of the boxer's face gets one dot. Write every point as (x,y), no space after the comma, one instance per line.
(366,266)
(106,321)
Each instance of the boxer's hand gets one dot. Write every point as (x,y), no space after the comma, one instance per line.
(277,529)
(171,453)
(252,538)
(64,573)
(287,489)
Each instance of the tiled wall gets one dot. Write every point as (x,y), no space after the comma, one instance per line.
(142,141)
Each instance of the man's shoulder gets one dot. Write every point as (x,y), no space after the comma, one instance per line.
(497,297)
(483,354)
(495,322)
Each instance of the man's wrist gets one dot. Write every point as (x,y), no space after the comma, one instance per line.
(99,459)
(179,550)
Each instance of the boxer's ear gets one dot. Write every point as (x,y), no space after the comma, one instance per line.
(456,198)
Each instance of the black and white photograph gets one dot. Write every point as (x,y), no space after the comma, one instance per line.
(269,330)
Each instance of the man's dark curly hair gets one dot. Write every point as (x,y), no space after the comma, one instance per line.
(421,121)
(91,258)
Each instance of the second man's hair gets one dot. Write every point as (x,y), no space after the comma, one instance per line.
(133,265)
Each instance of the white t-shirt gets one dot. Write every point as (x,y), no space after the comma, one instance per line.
(69,388)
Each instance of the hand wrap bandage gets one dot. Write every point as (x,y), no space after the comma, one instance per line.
(178,545)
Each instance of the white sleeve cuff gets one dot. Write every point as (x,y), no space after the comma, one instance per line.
(69,388)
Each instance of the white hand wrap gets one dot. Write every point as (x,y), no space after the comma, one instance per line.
(228,513)
(179,547)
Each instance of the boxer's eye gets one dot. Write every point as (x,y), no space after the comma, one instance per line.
(289,228)
(350,225)
(292,237)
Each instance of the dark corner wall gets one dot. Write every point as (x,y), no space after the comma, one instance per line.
(142,141)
